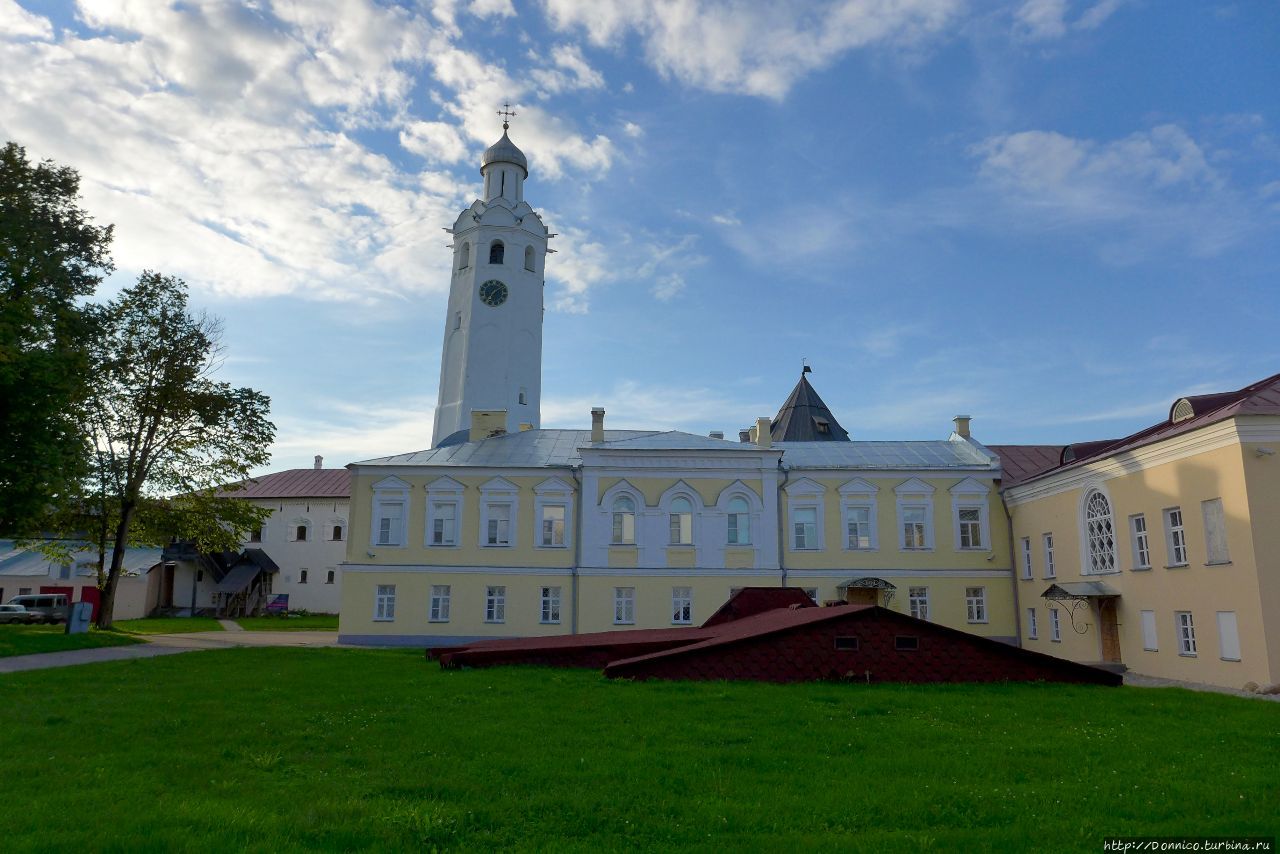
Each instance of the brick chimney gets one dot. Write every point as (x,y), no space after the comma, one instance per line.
(764,439)
(962,426)
(319,462)
(597,425)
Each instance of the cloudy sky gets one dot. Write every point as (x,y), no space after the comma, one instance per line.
(1054,215)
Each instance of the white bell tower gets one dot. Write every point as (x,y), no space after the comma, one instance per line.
(492,354)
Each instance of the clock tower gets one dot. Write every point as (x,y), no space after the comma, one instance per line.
(492,351)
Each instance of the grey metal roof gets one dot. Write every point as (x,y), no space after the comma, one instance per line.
(805,418)
(675,440)
(1077,589)
(28,562)
(527,449)
(505,151)
(941,454)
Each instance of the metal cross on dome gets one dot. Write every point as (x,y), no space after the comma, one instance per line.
(507,114)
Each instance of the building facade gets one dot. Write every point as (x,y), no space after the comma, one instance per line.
(1158,551)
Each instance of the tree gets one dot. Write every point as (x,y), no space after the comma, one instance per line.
(164,434)
(51,255)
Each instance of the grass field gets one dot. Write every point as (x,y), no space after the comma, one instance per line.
(311,622)
(168,625)
(26,640)
(287,749)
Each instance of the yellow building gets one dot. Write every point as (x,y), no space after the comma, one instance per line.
(1160,551)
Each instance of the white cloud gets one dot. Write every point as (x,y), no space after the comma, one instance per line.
(631,404)
(19,23)
(1050,19)
(583,263)
(492,9)
(751,47)
(438,142)
(570,72)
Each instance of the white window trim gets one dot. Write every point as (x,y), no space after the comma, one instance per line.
(968,494)
(806,494)
(619,598)
(1169,530)
(1224,647)
(1055,625)
(1033,625)
(1209,524)
(444,490)
(696,512)
(499,490)
(390,490)
(675,599)
(756,528)
(1082,525)
(334,522)
(1135,552)
(1048,550)
(554,492)
(610,497)
(924,598)
(915,493)
(379,603)
(862,495)
(981,599)
(496,599)
(1194,649)
(300,522)
(435,600)
(1150,641)
(1027,571)
(546,598)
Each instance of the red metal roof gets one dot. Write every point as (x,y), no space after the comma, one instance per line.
(1023,462)
(295,483)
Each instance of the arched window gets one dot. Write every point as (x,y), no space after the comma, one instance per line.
(464,256)
(624,520)
(528,257)
(496,252)
(336,533)
(681,516)
(1102,538)
(739,522)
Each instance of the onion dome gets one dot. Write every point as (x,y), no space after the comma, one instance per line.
(505,151)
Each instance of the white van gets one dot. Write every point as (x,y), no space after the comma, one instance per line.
(52,607)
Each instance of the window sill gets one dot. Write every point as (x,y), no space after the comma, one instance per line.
(680,545)
(865,550)
(1176,565)
(442,545)
(630,623)
(387,546)
(1107,572)
(1145,649)
(690,623)
(1188,655)
(622,545)
(384,619)
(978,622)
(1026,578)
(495,622)
(972,549)
(437,621)
(496,545)
(559,548)
(1231,659)
(922,549)
(1140,569)
(548,622)
(1050,578)
(1055,640)
(1221,563)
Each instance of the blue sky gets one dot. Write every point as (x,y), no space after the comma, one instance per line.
(1054,215)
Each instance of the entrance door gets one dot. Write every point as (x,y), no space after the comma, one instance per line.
(166,587)
(862,596)
(1109,630)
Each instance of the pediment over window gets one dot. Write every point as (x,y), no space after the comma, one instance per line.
(552,485)
(970,486)
(445,484)
(914,486)
(805,486)
(739,488)
(622,487)
(498,484)
(680,488)
(391,483)
(858,486)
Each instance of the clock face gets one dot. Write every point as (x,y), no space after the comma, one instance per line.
(493,293)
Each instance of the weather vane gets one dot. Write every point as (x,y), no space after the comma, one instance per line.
(507,113)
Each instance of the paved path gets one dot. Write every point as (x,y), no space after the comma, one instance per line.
(167,645)
(1138,680)
(230,626)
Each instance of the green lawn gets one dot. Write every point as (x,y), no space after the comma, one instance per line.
(25,640)
(168,625)
(311,622)
(288,749)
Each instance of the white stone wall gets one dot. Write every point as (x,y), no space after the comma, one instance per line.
(319,554)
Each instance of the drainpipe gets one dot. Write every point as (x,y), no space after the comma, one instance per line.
(577,552)
(1013,571)
(782,524)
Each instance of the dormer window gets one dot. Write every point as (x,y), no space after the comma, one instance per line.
(1182,410)
(496,252)
(528,258)
(464,256)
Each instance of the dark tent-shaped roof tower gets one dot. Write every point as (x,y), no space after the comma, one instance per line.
(805,418)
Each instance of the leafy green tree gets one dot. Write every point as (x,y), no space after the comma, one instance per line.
(51,256)
(165,434)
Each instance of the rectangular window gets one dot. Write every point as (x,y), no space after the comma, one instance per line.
(440,601)
(624,528)
(624,605)
(1186,629)
(812,593)
(906,642)
(1033,630)
(553,525)
(682,605)
(255,536)
(918,600)
(1055,625)
(739,527)
(1026,557)
(444,524)
(681,528)
(804,521)
(389,526)
(384,603)
(859,528)
(1050,571)
(975,599)
(499,531)
(849,644)
(1228,636)
(970,519)
(1215,532)
(302,576)
(328,577)
(495,604)
(336,533)
(1149,631)
(1175,537)
(913,527)
(550,604)
(301,534)
(1141,545)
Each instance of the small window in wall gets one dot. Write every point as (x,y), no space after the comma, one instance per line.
(464,256)
(975,599)
(906,642)
(495,604)
(457,320)
(441,601)
(1186,629)
(1050,571)
(550,605)
(1099,533)
(1175,537)
(496,252)
(1228,636)
(918,601)
(329,576)
(300,533)
(1141,545)
(1055,625)
(384,604)
(528,258)
(1149,643)
(1215,532)
(335,533)
(553,525)
(255,536)
(804,525)
(524,397)
(739,516)
(849,644)
(624,605)
(1026,558)
(914,533)
(499,530)
(444,518)
(1033,629)
(199,575)
(624,520)
(812,593)
(682,605)
(858,528)
(970,519)
(681,522)
(302,576)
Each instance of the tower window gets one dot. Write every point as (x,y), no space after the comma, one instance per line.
(528,258)
(464,256)
(496,252)
(524,397)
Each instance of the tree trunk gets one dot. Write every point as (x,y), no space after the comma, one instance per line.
(105,615)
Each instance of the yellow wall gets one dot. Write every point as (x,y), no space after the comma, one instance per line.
(1202,590)
(652,488)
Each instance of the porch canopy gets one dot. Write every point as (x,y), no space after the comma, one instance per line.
(870,583)
(1080,590)
(240,577)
